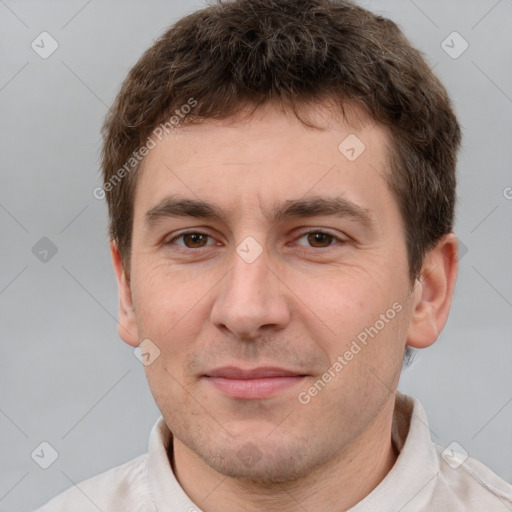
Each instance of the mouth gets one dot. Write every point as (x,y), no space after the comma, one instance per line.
(252,384)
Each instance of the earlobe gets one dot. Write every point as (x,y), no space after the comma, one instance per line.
(127,322)
(432,295)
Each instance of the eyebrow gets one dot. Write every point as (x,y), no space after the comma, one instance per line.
(317,206)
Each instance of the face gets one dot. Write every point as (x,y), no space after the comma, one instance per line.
(280,305)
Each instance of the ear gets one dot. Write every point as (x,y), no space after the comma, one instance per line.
(127,323)
(432,294)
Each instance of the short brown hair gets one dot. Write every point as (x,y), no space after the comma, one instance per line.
(240,53)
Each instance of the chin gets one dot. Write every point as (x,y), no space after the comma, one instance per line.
(263,472)
(263,463)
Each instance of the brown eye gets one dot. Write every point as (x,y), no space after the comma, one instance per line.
(191,240)
(322,239)
(195,239)
(319,240)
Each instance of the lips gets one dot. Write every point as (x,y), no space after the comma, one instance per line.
(231,372)
(252,384)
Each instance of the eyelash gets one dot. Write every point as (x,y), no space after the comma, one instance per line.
(305,233)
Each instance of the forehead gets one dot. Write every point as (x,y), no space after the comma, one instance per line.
(244,163)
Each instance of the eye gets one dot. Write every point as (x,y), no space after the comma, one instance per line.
(191,240)
(320,239)
(316,239)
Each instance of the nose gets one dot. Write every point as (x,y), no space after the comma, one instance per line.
(251,299)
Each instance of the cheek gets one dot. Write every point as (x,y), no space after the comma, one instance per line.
(346,302)
(167,305)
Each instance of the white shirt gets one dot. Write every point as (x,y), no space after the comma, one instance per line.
(423,478)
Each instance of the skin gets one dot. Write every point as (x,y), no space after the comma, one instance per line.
(298,306)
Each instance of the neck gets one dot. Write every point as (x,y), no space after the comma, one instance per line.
(338,485)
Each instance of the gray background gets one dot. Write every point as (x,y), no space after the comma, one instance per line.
(67,378)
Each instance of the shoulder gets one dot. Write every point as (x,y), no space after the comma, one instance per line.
(427,476)
(472,484)
(123,487)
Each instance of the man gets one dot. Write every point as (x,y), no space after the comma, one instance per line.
(280,177)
